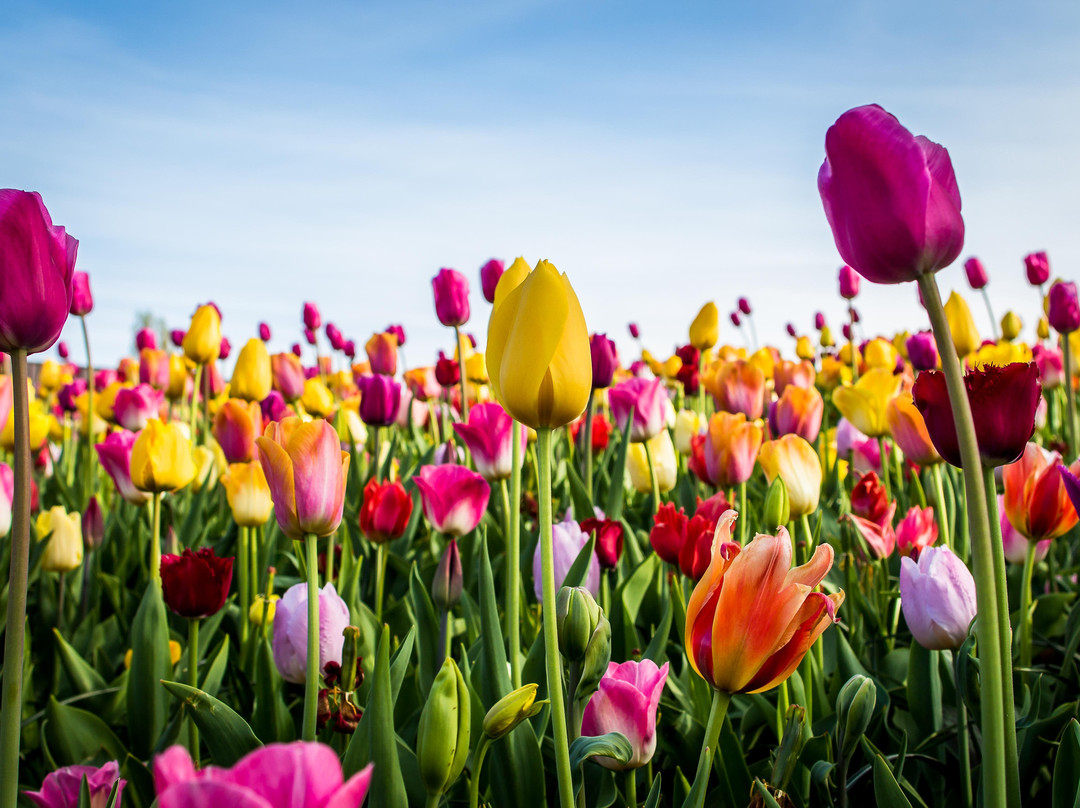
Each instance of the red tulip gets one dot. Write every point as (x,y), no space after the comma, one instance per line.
(195,584)
(1036,499)
(385,511)
(609,540)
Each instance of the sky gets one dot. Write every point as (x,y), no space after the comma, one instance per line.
(661,154)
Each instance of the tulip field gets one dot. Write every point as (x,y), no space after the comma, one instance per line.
(837,571)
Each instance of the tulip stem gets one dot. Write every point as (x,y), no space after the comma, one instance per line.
(990,311)
(586,444)
(1070,396)
(717,713)
(194,411)
(193,680)
(88,484)
(11,713)
(513,558)
(311,683)
(851,345)
(631,788)
(653,483)
(884,461)
(943,515)
(551,637)
(243,547)
(1025,605)
(963,740)
(478,762)
(155,538)
(461,374)
(380,579)
(742,513)
(1000,780)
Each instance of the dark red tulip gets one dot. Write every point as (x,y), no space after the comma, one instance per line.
(791,330)
(696,552)
(385,511)
(1003,403)
(668,533)
(609,540)
(447,371)
(195,584)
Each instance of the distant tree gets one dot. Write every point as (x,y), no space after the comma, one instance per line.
(147,319)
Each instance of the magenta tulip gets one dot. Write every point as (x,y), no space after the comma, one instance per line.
(398,331)
(380,399)
(922,350)
(1037,266)
(641,402)
(891,198)
(60,789)
(115,457)
(937,596)
(489,278)
(451,297)
(735,319)
(605,360)
(454,498)
(744,305)
(849,283)
(134,406)
(819,321)
(176,337)
(82,299)
(1064,309)
(146,339)
(635,332)
(488,436)
(976,273)
(311,316)
(625,701)
(264,332)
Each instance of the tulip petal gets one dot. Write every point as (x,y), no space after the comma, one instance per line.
(278,468)
(815,615)
(199,794)
(352,794)
(701,609)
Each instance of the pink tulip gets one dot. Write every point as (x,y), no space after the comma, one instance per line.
(225,349)
(176,337)
(916,531)
(279,775)
(1051,365)
(744,305)
(891,198)
(451,297)
(798,411)
(291,631)
(937,595)
(643,401)
(488,436)
(849,283)
(288,375)
(819,321)
(1037,266)
(115,457)
(236,425)
(264,332)
(605,360)
(976,273)
(568,540)
(60,789)
(454,498)
(82,299)
(398,331)
(136,405)
(489,278)
(311,316)
(146,339)
(625,701)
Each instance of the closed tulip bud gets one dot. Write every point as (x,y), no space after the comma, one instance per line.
(854,710)
(509,711)
(826,339)
(804,348)
(82,299)
(737,386)
(777,510)
(1063,311)
(179,381)
(226,349)
(731,448)
(252,377)
(976,273)
(264,332)
(609,540)
(596,660)
(288,375)
(451,290)
(236,426)
(176,337)
(744,305)
(311,317)
(1010,326)
(1042,329)
(577,616)
(333,334)
(794,460)
(664,463)
(263,611)
(248,493)
(64,550)
(962,325)
(705,329)
(93,523)
(735,319)
(937,596)
(849,283)
(626,702)
(1037,267)
(380,399)
(635,332)
(489,278)
(202,342)
(446,586)
(605,360)
(442,737)
(62,349)
(161,458)
(385,511)
(317,399)
(134,406)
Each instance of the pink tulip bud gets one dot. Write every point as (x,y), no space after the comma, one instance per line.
(82,299)
(398,331)
(451,290)
(176,337)
(849,282)
(605,360)
(264,332)
(635,332)
(1037,266)
(735,320)
(819,321)
(744,305)
(922,350)
(225,349)
(311,316)
(62,349)
(146,338)
(976,273)
(489,278)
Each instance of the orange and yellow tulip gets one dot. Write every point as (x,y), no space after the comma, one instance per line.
(737,386)
(731,448)
(1036,502)
(795,462)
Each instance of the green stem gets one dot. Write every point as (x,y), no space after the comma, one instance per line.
(311,684)
(851,344)
(375,452)
(513,559)
(1070,396)
(586,446)
(884,467)
(17,576)
(551,638)
(653,483)
(808,535)
(88,479)
(943,517)
(155,538)
(380,579)
(193,680)
(744,517)
(243,548)
(963,746)
(1025,605)
(631,788)
(993,322)
(194,412)
(717,713)
(996,666)
(433,800)
(461,375)
(474,779)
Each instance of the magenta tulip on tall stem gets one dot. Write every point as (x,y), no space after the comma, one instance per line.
(453,497)
(977,280)
(451,290)
(487,434)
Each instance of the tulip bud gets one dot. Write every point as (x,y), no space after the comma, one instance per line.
(849,282)
(791,330)
(511,710)
(577,617)
(976,273)
(442,738)
(1037,266)
(350,658)
(777,505)
(744,305)
(1043,328)
(93,525)
(1063,311)
(1010,326)
(597,658)
(794,739)
(489,278)
(82,300)
(854,709)
(705,329)
(260,607)
(446,587)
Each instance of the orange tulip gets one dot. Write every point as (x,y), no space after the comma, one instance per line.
(908,429)
(731,448)
(799,374)
(1035,498)
(751,618)
(737,386)
(382,351)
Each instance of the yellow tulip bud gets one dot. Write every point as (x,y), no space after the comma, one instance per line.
(51,376)
(804,348)
(317,399)
(252,379)
(688,424)
(826,340)
(1011,325)
(64,550)
(248,493)
(174,654)
(705,330)
(764,360)
(664,463)
(260,606)
(1000,354)
(899,342)
(178,377)
(1043,328)
(511,710)
(962,325)
(105,401)
(161,458)
(202,342)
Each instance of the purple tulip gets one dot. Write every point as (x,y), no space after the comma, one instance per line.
(846,331)
(891,198)
(380,398)
(744,305)
(625,701)
(489,278)
(735,320)
(635,332)
(605,360)
(311,316)
(291,631)
(176,337)
(273,406)
(1037,266)
(922,350)
(488,436)
(62,349)
(819,321)
(937,595)
(849,283)
(454,497)
(60,789)
(264,332)
(976,273)
(568,539)
(65,398)
(146,339)
(279,775)
(398,331)
(451,297)
(333,334)
(115,457)
(349,348)
(134,406)
(791,330)
(644,401)
(1064,309)
(225,349)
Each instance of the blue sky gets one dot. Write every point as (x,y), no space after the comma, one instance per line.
(661,154)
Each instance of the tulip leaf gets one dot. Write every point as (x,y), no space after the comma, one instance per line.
(270,716)
(427,626)
(85,678)
(924,690)
(140,787)
(579,494)
(399,664)
(84,793)
(617,489)
(887,792)
(657,650)
(150,663)
(653,800)
(1066,783)
(696,797)
(215,671)
(579,570)
(613,745)
(75,736)
(767,799)
(227,735)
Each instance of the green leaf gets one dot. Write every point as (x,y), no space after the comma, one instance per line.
(227,735)
(150,663)
(617,489)
(83,675)
(270,716)
(657,650)
(427,626)
(767,799)
(613,745)
(84,793)
(579,495)
(696,797)
(924,690)
(653,800)
(887,792)
(215,671)
(1066,783)
(399,665)
(75,736)
(579,570)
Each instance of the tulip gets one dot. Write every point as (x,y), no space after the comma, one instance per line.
(115,457)
(297,775)
(605,360)
(451,290)
(202,342)
(453,497)
(976,273)
(60,789)
(385,511)
(1037,266)
(869,499)
(922,351)
(288,375)
(176,337)
(798,411)
(609,540)
(311,317)
(737,387)
(937,596)
(291,631)
(489,278)
(962,325)
(317,399)
(511,710)
(488,436)
(1003,402)
(161,458)
(333,334)
(38,428)
(248,493)
(625,701)
(1064,309)
(641,403)
(568,540)
(82,299)
(664,463)
(306,471)
(380,399)
(752,618)
(601,431)
(382,353)
(1010,326)
(442,737)
(731,449)
(448,581)
(879,353)
(864,403)
(1051,366)
(849,283)
(797,374)
(1036,500)
(795,462)
(916,531)
(252,377)
(179,381)
(891,198)
(64,550)
(134,406)
(264,332)
(195,585)
(705,329)
(1014,543)
(236,425)
(688,424)
(908,429)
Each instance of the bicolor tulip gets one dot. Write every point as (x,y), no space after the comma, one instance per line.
(488,436)
(937,596)
(451,290)
(154,368)
(962,325)
(1036,500)
(385,511)
(161,458)
(568,540)
(849,283)
(795,462)
(864,403)
(731,448)
(115,457)
(382,353)
(736,387)
(380,399)
(705,329)
(38,258)
(1037,267)
(1063,311)
(752,618)
(252,378)
(605,360)
(538,353)
(279,775)
(317,399)
(797,374)
(288,375)
(664,462)
(797,412)
(1015,544)
(60,789)
(489,278)
(236,426)
(64,548)
(134,406)
(454,498)
(248,493)
(202,342)
(625,701)
(916,531)
(641,403)
(195,584)
(306,471)
(891,198)
(908,429)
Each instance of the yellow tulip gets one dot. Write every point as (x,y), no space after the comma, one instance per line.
(671,367)
(209,463)
(1043,328)
(705,330)
(764,360)
(161,458)
(964,333)
(317,398)
(514,276)
(202,342)
(174,654)
(476,368)
(259,606)
(252,379)
(688,424)
(64,551)
(833,373)
(39,428)
(1010,326)
(178,377)
(1000,354)
(538,356)
(248,493)
(105,401)
(865,402)
(796,463)
(880,353)
(664,463)
(826,339)
(804,348)
(52,377)
(899,342)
